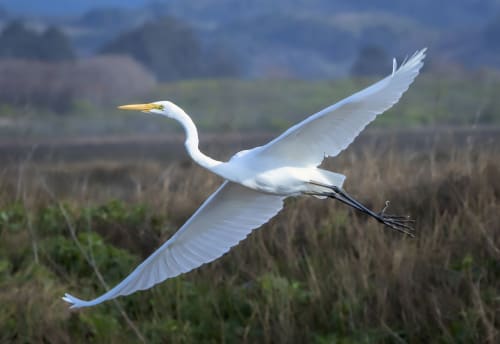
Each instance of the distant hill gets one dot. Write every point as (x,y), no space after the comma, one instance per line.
(300,38)
(444,13)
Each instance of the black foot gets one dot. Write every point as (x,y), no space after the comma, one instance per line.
(398,223)
(402,224)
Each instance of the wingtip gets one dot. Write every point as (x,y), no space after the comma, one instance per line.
(419,54)
(73,301)
(415,61)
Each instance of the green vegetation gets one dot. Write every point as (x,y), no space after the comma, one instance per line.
(317,273)
(276,104)
(259,105)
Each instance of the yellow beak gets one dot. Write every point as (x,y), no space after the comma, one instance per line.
(140,107)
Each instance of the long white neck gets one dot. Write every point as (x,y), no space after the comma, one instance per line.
(192,141)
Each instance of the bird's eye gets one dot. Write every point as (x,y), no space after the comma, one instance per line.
(160,107)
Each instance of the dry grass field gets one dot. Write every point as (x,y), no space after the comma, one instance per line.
(80,220)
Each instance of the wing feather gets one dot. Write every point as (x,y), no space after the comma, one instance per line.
(331,130)
(224,219)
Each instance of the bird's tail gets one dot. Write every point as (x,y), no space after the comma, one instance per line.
(332,179)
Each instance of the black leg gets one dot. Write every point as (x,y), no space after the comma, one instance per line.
(397,223)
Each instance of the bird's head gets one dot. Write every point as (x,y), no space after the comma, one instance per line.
(164,108)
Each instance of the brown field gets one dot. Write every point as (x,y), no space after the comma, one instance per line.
(318,272)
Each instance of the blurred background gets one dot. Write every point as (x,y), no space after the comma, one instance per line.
(87,191)
(65,65)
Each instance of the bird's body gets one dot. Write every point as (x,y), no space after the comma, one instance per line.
(258,180)
(271,177)
(271,174)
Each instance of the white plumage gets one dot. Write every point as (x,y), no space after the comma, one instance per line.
(222,221)
(258,180)
(331,130)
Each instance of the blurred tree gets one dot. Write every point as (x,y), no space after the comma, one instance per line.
(55,46)
(17,41)
(381,36)
(283,30)
(372,61)
(171,50)
(102,25)
(219,61)
(168,47)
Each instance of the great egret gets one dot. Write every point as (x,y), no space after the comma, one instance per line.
(258,180)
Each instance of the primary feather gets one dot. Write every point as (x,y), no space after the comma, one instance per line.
(224,219)
(331,130)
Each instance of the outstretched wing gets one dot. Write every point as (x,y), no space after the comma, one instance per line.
(223,220)
(331,130)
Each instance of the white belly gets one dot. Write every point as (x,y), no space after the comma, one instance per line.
(289,181)
(263,175)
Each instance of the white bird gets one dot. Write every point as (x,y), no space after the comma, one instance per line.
(258,180)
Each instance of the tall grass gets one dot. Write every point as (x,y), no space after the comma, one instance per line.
(318,272)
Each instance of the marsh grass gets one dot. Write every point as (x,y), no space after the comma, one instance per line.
(317,272)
